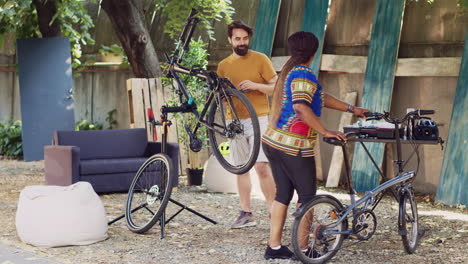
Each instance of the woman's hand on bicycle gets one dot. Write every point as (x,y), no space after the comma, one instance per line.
(359,111)
(334,134)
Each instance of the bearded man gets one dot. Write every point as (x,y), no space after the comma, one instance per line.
(253,73)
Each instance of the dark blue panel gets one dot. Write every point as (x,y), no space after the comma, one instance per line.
(45,82)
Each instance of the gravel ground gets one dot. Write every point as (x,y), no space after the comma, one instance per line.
(190,239)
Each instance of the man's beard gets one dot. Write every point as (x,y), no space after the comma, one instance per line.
(243,51)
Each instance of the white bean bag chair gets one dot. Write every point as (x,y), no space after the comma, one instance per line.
(218,179)
(53,216)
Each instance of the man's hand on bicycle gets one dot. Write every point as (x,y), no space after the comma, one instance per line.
(247,85)
(334,134)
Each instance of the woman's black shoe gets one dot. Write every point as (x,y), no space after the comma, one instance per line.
(282,253)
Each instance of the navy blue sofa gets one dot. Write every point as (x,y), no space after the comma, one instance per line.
(108,159)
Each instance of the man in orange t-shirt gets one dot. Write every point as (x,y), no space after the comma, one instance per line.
(253,73)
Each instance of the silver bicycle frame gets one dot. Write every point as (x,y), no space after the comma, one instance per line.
(368,196)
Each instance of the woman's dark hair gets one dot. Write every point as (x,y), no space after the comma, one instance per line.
(241,25)
(302,46)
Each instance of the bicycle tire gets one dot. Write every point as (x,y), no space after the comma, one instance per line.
(148,194)
(240,158)
(408,215)
(325,212)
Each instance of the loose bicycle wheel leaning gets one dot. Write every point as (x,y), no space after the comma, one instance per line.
(408,221)
(235,137)
(149,193)
(313,240)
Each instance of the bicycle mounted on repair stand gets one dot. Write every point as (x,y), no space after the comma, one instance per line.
(149,192)
(321,225)
(226,114)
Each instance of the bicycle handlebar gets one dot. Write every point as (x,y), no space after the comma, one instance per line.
(386,115)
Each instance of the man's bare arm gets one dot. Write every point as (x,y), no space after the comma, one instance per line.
(266,88)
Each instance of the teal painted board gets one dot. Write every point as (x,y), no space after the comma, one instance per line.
(265,26)
(378,84)
(453,179)
(315,20)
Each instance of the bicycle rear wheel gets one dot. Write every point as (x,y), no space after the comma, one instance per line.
(408,222)
(149,193)
(235,132)
(313,240)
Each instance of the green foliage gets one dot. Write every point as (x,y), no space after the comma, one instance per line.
(86,125)
(110,119)
(117,51)
(20,16)
(196,87)
(177,11)
(11,142)
(463,4)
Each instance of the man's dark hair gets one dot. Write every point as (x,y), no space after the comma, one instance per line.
(241,25)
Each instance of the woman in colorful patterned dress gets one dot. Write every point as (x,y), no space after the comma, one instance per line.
(292,133)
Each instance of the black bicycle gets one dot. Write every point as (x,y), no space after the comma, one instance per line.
(231,120)
(321,225)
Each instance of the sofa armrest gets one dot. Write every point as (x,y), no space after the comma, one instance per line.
(153,148)
(173,153)
(61,165)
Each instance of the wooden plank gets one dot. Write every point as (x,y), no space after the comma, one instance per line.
(336,166)
(135,88)
(378,84)
(318,162)
(265,26)
(453,179)
(149,102)
(315,21)
(437,67)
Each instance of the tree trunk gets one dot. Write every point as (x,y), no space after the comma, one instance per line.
(128,21)
(45,12)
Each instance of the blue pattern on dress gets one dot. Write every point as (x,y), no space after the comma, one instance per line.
(287,114)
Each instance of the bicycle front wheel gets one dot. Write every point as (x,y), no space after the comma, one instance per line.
(408,222)
(313,240)
(149,193)
(234,131)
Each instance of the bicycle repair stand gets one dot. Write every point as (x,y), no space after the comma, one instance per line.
(165,123)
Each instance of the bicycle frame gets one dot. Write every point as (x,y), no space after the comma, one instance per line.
(401,178)
(215,87)
(215,84)
(368,198)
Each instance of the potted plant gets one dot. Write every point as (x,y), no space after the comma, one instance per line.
(196,87)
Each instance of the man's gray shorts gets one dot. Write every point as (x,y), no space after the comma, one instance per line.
(242,146)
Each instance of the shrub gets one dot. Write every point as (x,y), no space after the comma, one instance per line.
(11,142)
(86,125)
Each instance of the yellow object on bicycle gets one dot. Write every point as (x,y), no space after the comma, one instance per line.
(224,148)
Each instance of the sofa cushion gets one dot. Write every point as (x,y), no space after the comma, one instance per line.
(109,166)
(103,144)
